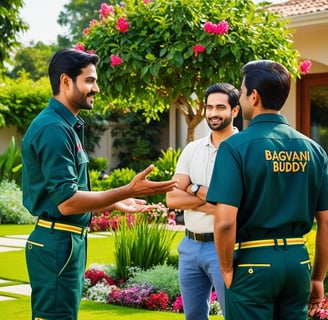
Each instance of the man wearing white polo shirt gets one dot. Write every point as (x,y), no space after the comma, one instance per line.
(199,268)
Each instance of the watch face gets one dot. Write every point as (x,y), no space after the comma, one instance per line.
(194,187)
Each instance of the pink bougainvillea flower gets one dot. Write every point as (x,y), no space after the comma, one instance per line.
(93,22)
(209,27)
(115,60)
(146,1)
(198,48)
(220,28)
(305,66)
(79,46)
(106,10)
(91,51)
(122,25)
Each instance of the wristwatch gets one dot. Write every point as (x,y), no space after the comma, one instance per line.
(195,188)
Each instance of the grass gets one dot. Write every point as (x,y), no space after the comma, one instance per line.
(100,250)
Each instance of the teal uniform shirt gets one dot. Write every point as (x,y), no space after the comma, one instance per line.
(54,163)
(276,176)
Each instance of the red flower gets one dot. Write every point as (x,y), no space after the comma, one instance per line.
(106,10)
(197,49)
(157,301)
(79,46)
(122,25)
(305,66)
(115,60)
(96,276)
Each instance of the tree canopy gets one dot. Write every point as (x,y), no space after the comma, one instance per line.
(33,60)
(76,15)
(161,53)
(10,26)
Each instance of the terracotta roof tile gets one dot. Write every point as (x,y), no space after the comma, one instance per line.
(299,7)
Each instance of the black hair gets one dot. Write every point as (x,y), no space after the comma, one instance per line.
(228,89)
(71,62)
(270,79)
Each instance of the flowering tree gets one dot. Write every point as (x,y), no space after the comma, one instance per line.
(164,53)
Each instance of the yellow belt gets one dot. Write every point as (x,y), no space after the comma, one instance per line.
(268,243)
(61,226)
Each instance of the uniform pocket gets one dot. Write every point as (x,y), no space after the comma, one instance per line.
(30,244)
(253,267)
(251,276)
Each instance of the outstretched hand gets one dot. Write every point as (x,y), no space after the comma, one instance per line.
(132,205)
(143,187)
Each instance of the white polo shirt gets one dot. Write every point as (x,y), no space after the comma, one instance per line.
(197,161)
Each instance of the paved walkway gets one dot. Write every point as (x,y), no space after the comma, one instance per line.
(17,242)
(14,243)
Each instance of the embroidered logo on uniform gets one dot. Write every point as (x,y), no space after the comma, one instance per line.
(79,147)
(287,161)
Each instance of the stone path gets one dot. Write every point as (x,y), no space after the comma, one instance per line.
(17,242)
(13,243)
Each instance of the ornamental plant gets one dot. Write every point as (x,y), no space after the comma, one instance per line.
(133,296)
(164,53)
(139,243)
(144,291)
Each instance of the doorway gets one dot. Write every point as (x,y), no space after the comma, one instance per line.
(312,107)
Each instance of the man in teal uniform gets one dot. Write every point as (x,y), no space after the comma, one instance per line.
(56,189)
(269,183)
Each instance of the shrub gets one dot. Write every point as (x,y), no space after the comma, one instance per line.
(96,183)
(133,296)
(162,277)
(98,164)
(120,177)
(139,243)
(11,207)
(10,163)
(117,178)
(164,170)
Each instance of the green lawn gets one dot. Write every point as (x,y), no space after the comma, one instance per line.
(100,250)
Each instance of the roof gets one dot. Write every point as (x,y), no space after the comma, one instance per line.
(293,8)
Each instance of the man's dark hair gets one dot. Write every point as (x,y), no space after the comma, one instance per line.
(270,79)
(71,62)
(228,89)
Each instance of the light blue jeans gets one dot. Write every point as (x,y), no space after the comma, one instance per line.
(199,272)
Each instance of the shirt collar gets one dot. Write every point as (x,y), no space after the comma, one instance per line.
(65,113)
(269,117)
(208,138)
